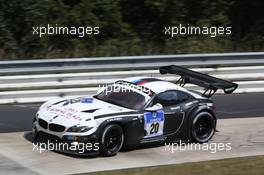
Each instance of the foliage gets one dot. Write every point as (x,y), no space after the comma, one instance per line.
(127,27)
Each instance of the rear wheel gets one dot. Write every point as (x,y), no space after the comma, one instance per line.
(112,139)
(203,127)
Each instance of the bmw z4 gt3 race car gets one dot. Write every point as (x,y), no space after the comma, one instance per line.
(135,111)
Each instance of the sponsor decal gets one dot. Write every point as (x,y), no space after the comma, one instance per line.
(68,113)
(78,100)
(87,100)
(139,82)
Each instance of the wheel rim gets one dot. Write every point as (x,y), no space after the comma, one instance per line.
(113,140)
(203,127)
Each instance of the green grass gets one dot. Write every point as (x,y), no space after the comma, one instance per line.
(235,166)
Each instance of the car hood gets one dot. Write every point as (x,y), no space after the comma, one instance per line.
(79,111)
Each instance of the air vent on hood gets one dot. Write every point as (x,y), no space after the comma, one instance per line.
(90,111)
(59,102)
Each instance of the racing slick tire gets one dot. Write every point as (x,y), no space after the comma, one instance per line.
(203,127)
(112,139)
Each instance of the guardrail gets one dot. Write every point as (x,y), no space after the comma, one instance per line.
(31,81)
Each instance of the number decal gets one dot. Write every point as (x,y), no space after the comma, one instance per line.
(154,122)
(154,128)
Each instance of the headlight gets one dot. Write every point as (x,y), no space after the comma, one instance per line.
(79,129)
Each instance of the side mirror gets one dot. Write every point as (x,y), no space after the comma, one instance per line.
(155,107)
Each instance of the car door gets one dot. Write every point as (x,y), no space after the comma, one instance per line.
(172,101)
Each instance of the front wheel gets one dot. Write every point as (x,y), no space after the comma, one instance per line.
(112,139)
(203,127)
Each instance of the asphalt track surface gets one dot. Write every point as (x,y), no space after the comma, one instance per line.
(244,131)
(18,156)
(18,118)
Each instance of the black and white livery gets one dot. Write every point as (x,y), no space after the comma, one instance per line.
(136,111)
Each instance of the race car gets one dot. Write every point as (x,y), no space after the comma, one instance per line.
(135,111)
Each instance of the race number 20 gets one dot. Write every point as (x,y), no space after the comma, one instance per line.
(154,122)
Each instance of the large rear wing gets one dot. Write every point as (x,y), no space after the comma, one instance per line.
(211,84)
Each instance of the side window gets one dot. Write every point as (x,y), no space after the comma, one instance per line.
(170,98)
(182,96)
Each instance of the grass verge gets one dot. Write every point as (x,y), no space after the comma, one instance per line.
(235,166)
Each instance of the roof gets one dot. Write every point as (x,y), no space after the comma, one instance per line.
(154,84)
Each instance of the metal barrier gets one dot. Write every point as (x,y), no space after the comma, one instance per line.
(31,81)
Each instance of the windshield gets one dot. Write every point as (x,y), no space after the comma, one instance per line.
(122,96)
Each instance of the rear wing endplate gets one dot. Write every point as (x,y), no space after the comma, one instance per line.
(211,84)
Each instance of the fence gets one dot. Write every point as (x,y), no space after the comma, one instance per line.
(32,81)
